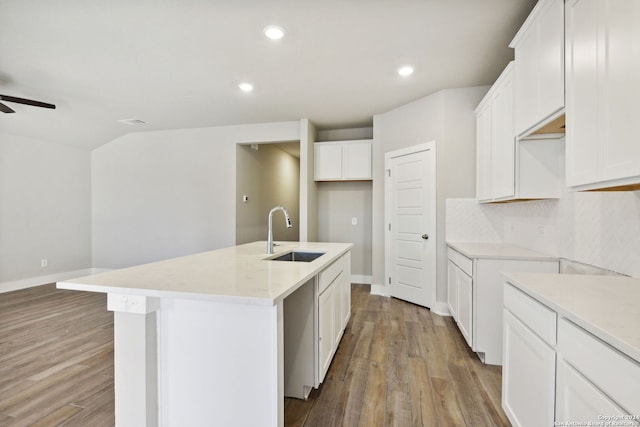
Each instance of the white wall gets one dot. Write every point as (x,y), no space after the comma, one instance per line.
(269,177)
(338,203)
(446,117)
(45,199)
(163,194)
(597,228)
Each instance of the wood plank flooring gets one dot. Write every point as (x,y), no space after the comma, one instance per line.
(397,365)
(401,365)
(56,358)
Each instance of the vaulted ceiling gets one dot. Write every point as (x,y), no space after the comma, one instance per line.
(178,63)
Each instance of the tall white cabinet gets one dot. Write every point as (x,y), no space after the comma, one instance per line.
(603,89)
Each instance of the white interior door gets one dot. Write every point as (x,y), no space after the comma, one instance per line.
(410,237)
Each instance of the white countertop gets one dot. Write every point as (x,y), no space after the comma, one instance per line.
(235,274)
(606,306)
(498,251)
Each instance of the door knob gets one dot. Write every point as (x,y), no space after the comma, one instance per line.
(425,236)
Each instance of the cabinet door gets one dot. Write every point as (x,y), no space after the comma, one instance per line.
(338,290)
(582,92)
(326,319)
(551,59)
(603,64)
(528,376)
(621,89)
(356,160)
(346,290)
(483,153)
(465,306)
(328,162)
(452,289)
(578,400)
(540,66)
(503,140)
(526,60)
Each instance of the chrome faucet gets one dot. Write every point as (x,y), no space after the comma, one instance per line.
(270,236)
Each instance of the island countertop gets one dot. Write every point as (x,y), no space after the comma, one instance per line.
(242,274)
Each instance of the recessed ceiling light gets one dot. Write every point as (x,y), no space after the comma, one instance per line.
(406,70)
(246,87)
(274,32)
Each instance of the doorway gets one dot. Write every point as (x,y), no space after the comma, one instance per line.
(267,175)
(410,223)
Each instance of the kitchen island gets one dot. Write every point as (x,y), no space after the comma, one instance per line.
(215,338)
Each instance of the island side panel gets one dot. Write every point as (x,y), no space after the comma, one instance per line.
(220,363)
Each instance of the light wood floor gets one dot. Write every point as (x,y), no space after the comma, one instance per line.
(397,365)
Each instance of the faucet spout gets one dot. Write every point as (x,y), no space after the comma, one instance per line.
(270,235)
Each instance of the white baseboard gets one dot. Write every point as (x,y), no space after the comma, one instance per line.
(14,285)
(359,278)
(441,308)
(380,290)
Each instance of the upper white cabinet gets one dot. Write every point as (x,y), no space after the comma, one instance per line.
(343,160)
(603,89)
(539,66)
(508,168)
(495,143)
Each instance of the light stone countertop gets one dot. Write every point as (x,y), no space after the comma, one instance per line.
(498,251)
(238,274)
(606,306)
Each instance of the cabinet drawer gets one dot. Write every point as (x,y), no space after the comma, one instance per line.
(615,374)
(328,275)
(536,316)
(461,261)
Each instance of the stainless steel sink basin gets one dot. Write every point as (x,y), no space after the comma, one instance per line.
(298,256)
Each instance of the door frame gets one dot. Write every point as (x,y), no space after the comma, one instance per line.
(432,269)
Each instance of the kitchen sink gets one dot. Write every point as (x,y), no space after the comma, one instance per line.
(298,256)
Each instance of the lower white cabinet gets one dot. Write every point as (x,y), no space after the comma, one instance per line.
(316,315)
(528,375)
(326,343)
(475,294)
(579,400)
(334,311)
(557,373)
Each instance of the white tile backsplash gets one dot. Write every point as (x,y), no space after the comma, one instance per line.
(596,228)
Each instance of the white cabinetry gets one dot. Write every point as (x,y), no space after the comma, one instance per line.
(343,160)
(495,142)
(539,66)
(584,389)
(603,88)
(508,168)
(475,291)
(460,297)
(334,310)
(556,372)
(529,362)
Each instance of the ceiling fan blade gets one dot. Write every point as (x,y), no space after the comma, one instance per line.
(5,109)
(26,101)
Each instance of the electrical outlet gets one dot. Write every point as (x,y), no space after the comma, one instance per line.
(44,262)
(354,221)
